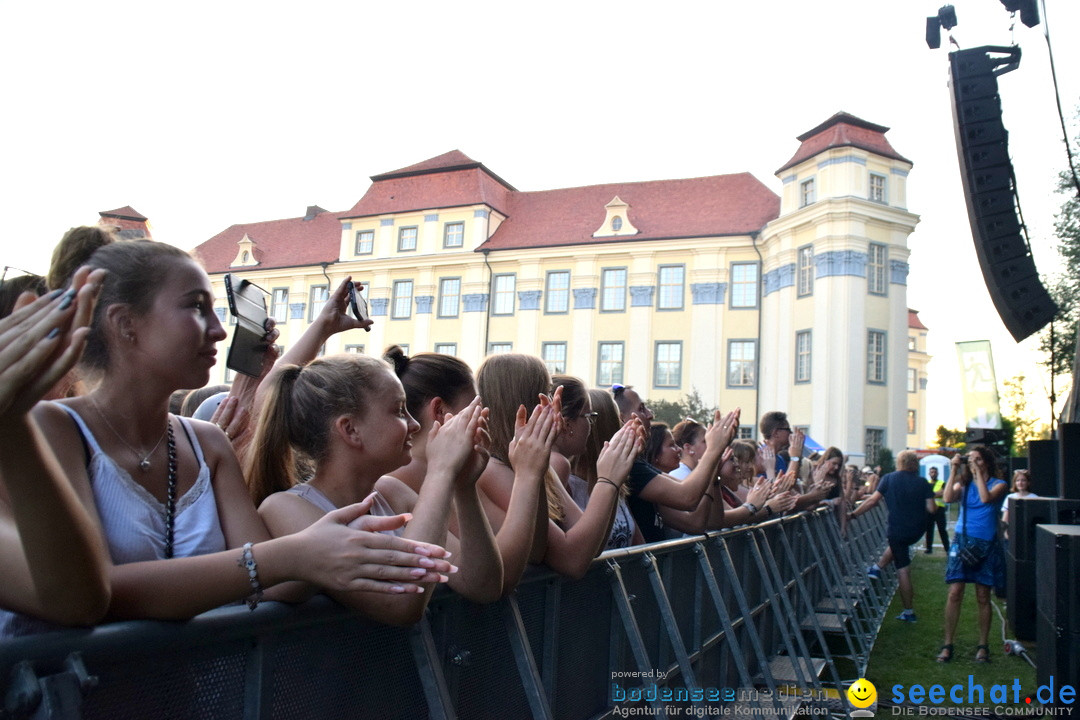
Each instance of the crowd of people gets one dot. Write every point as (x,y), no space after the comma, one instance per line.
(368,479)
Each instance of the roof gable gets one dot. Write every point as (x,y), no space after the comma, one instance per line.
(290,242)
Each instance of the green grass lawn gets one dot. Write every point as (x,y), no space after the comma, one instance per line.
(904,652)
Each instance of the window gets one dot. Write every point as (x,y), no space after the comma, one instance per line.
(807,193)
(742,356)
(911,344)
(875,438)
(667,369)
(910,422)
(802,356)
(446,348)
(354,349)
(875,269)
(557,292)
(449,297)
(877,188)
(406,239)
(401,302)
(279,305)
(613,291)
(616,224)
(670,294)
(365,242)
(912,380)
(554,356)
(745,432)
(806,270)
(453,235)
(609,368)
(498,348)
(317,298)
(744,285)
(502,290)
(230,375)
(875,356)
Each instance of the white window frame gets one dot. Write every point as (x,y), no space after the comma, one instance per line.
(554,356)
(414,236)
(669,294)
(877,261)
(556,299)
(447,235)
(877,355)
(739,285)
(747,366)
(610,370)
(445,298)
(315,305)
(878,193)
(804,344)
(279,306)
(667,367)
(805,272)
(807,192)
(364,239)
(502,297)
(446,348)
(612,295)
(397,298)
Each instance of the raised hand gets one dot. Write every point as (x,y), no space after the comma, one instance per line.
(786,481)
(760,492)
(617,456)
(768,460)
(334,316)
(451,442)
(42,340)
(530,450)
(795,446)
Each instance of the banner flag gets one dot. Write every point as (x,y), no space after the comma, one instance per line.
(981,408)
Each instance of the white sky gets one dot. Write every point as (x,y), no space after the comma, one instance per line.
(201,115)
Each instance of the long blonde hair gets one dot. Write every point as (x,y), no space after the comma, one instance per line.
(607,423)
(297,414)
(507,381)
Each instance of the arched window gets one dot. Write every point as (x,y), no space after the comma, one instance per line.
(616,224)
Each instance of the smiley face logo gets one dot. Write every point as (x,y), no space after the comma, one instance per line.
(862,693)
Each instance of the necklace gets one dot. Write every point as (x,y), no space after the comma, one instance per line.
(144,460)
(170,497)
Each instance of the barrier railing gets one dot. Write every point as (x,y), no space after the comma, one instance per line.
(767,615)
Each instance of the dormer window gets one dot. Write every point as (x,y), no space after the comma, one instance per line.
(616,221)
(245,252)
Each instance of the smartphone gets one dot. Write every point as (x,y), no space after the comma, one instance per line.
(358,304)
(247,303)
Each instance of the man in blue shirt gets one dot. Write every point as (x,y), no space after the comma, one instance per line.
(909,499)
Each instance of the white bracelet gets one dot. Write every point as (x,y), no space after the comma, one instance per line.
(247,563)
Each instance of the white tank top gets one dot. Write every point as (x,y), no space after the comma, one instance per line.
(316,497)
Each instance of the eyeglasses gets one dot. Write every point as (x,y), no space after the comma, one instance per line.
(785,427)
(591,417)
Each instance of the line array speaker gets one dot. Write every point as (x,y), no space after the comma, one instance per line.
(990,189)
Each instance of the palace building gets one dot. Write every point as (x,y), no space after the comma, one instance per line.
(715,284)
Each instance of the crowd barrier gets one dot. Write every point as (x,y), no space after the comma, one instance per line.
(771,615)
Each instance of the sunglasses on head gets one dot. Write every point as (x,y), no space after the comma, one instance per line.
(618,389)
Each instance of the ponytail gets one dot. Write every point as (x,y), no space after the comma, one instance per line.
(270,465)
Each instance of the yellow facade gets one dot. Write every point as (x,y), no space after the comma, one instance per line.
(806,312)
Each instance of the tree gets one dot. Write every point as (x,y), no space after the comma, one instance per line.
(947,438)
(885,460)
(690,406)
(1014,410)
(1059,344)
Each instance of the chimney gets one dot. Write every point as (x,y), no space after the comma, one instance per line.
(130,224)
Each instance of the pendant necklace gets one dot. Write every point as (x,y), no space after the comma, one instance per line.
(144,460)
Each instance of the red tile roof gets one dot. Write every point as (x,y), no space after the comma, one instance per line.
(127,213)
(291,242)
(843,130)
(913,320)
(697,207)
(412,190)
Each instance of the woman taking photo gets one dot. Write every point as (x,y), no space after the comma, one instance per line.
(167,494)
(975,555)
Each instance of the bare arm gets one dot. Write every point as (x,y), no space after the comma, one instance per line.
(571,552)
(687,493)
(52,558)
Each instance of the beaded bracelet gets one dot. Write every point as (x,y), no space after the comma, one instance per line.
(247,562)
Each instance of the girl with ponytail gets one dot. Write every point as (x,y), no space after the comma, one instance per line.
(347,415)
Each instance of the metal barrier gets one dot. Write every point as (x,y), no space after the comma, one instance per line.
(769,615)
